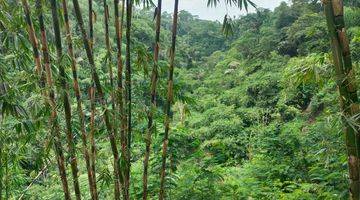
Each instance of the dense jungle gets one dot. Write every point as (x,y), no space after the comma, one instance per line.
(120,99)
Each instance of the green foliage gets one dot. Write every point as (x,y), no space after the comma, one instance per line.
(315,68)
(238,3)
(256,114)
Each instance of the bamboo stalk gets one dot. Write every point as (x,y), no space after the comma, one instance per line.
(92,93)
(1,172)
(66,100)
(119,90)
(96,80)
(120,82)
(346,85)
(92,87)
(91,23)
(92,131)
(7,185)
(32,36)
(90,172)
(129,7)
(109,56)
(55,131)
(154,77)
(169,102)
(33,181)
(44,42)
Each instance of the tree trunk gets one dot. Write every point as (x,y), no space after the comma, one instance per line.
(66,100)
(154,77)
(345,79)
(129,7)
(169,102)
(91,174)
(98,86)
(55,130)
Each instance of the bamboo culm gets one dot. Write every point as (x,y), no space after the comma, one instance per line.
(91,92)
(334,11)
(32,36)
(6,163)
(109,63)
(91,24)
(1,172)
(109,60)
(90,172)
(55,130)
(100,93)
(92,130)
(66,100)
(119,90)
(170,98)
(129,7)
(154,77)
